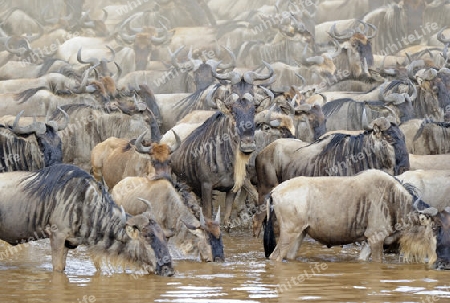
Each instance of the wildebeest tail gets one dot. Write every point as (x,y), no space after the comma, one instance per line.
(269,233)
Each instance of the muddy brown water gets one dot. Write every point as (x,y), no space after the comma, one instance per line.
(318,275)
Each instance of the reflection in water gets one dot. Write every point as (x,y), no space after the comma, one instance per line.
(319,275)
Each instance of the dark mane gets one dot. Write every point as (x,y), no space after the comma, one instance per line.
(69,109)
(191,102)
(48,62)
(28,93)
(47,183)
(427,122)
(415,193)
(330,108)
(339,141)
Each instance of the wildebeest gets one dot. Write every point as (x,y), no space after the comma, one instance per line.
(89,126)
(430,185)
(348,114)
(381,147)
(377,206)
(159,197)
(63,203)
(433,99)
(114,159)
(356,56)
(30,147)
(214,156)
(432,138)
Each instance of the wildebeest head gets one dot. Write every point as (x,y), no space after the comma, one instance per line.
(147,245)
(434,94)
(144,39)
(240,104)
(202,65)
(46,136)
(310,122)
(443,239)
(210,243)
(399,95)
(357,46)
(433,232)
(389,133)
(159,153)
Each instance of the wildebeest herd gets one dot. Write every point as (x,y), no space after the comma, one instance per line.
(122,124)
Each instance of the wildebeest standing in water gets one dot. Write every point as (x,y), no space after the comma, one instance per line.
(381,147)
(64,203)
(377,207)
(215,155)
(30,147)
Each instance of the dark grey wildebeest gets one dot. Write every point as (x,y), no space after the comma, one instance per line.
(64,203)
(214,156)
(29,147)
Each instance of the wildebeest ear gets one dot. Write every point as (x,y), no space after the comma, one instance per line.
(189,226)
(168,233)
(132,231)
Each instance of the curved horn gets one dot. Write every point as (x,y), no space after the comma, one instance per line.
(55,125)
(23,130)
(338,36)
(440,36)
(119,70)
(374,31)
(127,38)
(173,56)
(85,79)
(428,74)
(394,98)
(17,51)
(177,142)
(431,211)
(149,205)
(230,65)
(364,119)
(233,77)
(269,93)
(113,54)
(160,40)
(251,76)
(301,78)
(105,15)
(91,61)
(195,63)
(315,60)
(123,217)
(139,106)
(413,65)
(217,219)
(202,218)
(338,49)
(414,94)
(139,147)
(435,4)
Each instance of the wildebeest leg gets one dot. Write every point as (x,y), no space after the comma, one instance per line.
(365,252)
(207,200)
(376,246)
(229,199)
(293,250)
(59,250)
(284,245)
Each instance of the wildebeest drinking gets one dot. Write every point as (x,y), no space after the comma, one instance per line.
(65,204)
